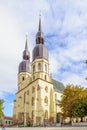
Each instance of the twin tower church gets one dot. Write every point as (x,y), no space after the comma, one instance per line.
(36,101)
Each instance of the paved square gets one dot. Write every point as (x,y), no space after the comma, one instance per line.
(47,128)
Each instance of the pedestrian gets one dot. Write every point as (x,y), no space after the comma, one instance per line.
(3,127)
(61,122)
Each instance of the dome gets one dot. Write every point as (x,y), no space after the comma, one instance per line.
(24,66)
(40,34)
(26,55)
(40,51)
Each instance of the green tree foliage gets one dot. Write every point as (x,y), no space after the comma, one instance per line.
(74,101)
(1,107)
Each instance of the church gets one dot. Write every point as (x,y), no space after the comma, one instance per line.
(36,100)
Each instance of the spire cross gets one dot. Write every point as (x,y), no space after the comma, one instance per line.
(40,13)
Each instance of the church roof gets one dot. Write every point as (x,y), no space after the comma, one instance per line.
(26,53)
(40,51)
(58,86)
(24,66)
(40,34)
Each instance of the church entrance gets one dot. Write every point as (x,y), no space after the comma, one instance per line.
(58,117)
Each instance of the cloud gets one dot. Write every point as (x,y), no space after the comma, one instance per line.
(11,44)
(68,41)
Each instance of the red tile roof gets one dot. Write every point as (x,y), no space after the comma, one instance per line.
(8,117)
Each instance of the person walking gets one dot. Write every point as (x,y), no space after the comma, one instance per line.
(3,127)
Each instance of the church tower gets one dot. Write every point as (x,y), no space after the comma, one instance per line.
(40,63)
(24,71)
(41,79)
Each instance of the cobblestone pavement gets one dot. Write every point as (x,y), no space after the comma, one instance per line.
(48,128)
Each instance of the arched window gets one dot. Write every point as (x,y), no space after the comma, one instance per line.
(33,89)
(27,57)
(33,77)
(46,89)
(33,68)
(23,78)
(24,97)
(46,100)
(45,77)
(32,114)
(32,101)
(38,87)
(45,67)
(9,122)
(46,114)
(27,92)
(39,66)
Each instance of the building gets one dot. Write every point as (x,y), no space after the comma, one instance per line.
(8,121)
(36,101)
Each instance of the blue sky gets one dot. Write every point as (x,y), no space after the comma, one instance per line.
(64,23)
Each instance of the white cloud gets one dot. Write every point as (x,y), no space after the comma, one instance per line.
(9,49)
(72,78)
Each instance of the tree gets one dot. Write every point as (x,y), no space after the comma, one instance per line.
(74,101)
(1,107)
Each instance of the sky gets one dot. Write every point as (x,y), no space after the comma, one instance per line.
(64,23)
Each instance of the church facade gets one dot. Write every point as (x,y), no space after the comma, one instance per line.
(36,101)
